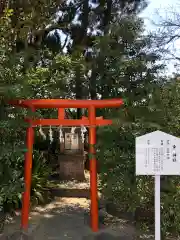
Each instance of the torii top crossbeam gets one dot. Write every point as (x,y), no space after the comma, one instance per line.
(67,103)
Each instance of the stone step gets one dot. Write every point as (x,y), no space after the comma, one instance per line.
(72,193)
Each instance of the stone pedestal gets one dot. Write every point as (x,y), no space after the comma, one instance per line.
(71,167)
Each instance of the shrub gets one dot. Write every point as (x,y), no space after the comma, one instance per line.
(40,173)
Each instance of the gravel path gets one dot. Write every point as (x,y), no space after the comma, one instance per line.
(68,218)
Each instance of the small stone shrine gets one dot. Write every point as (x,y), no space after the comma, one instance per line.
(71,157)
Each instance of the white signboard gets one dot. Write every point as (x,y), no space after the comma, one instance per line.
(157,153)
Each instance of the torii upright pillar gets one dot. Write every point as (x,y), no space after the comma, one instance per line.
(93,169)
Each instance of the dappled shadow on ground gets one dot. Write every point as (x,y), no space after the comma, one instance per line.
(68,218)
(64,219)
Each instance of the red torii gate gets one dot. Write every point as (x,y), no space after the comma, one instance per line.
(91,121)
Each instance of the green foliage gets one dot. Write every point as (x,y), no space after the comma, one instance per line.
(40,173)
(13,84)
(118,167)
(11,166)
(50,81)
(11,141)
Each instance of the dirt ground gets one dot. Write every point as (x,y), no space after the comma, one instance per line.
(68,218)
